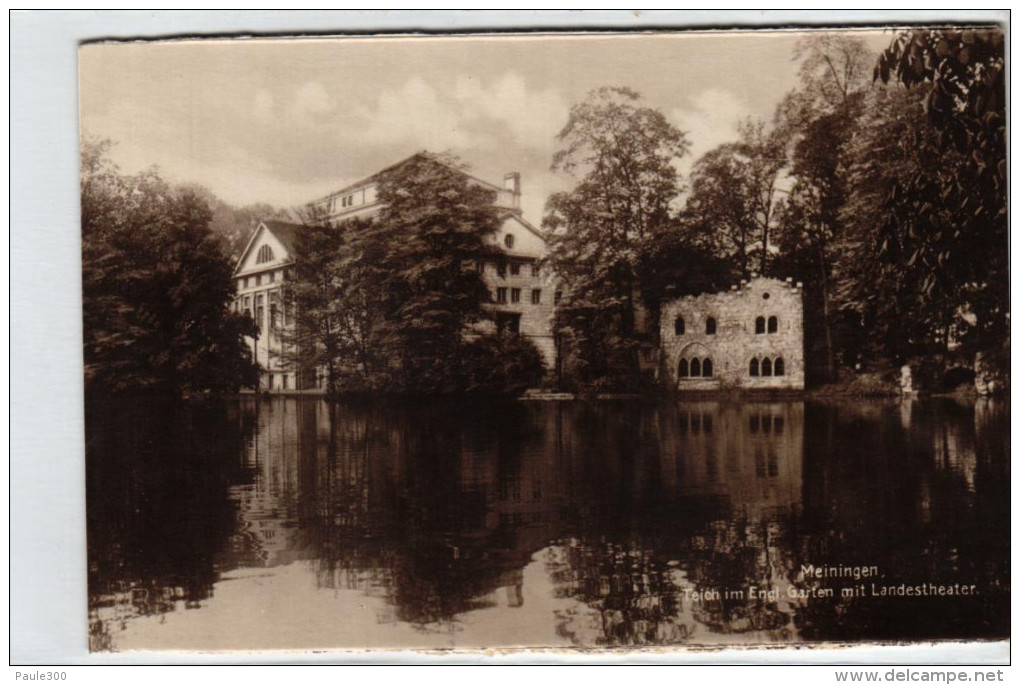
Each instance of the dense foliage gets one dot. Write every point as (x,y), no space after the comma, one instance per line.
(946,223)
(623,155)
(155,287)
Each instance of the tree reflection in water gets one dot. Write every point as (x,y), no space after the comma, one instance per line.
(624,510)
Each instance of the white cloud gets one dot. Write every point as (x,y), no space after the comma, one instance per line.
(414,113)
(533,117)
(311,102)
(462,115)
(710,120)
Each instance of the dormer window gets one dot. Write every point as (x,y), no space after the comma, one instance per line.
(508,240)
(265,254)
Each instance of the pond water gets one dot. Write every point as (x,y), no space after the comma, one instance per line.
(291,523)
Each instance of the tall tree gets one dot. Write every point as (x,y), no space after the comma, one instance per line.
(393,303)
(155,288)
(433,231)
(313,295)
(231,225)
(821,117)
(734,200)
(906,308)
(623,155)
(950,220)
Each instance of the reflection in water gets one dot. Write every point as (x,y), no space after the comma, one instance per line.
(294,523)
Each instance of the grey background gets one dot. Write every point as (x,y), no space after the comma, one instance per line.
(48,610)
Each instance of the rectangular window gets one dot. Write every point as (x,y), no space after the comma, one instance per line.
(272,276)
(557,296)
(515,295)
(536,270)
(515,269)
(501,295)
(508,323)
(272,317)
(536,296)
(501,269)
(284,381)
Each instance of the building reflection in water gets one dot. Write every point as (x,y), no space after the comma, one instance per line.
(624,523)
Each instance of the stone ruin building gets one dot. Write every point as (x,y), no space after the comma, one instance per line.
(750,337)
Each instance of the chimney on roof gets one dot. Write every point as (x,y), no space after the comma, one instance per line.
(512,184)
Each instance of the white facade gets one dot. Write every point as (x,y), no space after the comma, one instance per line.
(259,278)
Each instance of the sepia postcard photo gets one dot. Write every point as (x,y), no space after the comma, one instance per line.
(590,342)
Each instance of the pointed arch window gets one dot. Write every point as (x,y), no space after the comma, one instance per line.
(695,367)
(684,369)
(706,368)
(710,326)
(766,367)
(773,324)
(753,370)
(778,369)
(759,325)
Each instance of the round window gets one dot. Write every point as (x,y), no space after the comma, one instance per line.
(765,296)
(508,240)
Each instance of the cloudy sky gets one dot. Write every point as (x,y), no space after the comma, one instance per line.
(287,121)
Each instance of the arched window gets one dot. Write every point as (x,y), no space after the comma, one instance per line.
(754,367)
(695,367)
(265,255)
(759,324)
(509,240)
(706,368)
(773,324)
(684,372)
(710,326)
(778,369)
(678,325)
(766,367)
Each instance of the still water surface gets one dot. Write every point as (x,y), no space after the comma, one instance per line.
(297,524)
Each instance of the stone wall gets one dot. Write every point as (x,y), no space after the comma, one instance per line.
(736,342)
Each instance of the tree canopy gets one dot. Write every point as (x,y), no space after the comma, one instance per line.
(155,287)
(396,303)
(623,155)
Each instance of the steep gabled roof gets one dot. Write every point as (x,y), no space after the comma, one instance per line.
(284,231)
(516,214)
(377,175)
